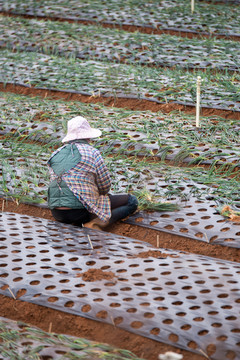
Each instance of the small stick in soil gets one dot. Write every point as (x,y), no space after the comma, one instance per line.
(198,101)
(112,321)
(192,6)
(12,293)
(158,241)
(3,203)
(50,327)
(204,354)
(90,242)
(206,237)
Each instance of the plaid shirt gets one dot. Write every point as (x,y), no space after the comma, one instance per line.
(89,180)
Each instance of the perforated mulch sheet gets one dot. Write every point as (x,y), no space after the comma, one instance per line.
(138,143)
(34,71)
(167,14)
(186,300)
(114,45)
(196,219)
(170,149)
(20,341)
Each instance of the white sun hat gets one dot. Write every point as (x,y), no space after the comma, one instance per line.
(79,128)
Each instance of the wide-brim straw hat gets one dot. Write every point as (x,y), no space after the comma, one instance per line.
(79,128)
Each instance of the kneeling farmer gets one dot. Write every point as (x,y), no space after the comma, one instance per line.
(79,186)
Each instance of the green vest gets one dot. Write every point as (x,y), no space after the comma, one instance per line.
(59,194)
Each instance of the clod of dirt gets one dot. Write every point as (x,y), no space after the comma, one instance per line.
(155,254)
(96,274)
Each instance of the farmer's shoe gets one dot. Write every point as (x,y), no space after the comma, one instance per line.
(96,224)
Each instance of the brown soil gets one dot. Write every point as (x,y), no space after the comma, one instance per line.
(154,253)
(131,104)
(96,274)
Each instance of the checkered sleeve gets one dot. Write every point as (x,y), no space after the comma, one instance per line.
(102,173)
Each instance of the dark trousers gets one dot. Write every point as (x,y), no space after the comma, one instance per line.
(122,205)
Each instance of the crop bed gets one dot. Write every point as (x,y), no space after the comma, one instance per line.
(140,290)
(53,37)
(42,344)
(95,78)
(209,18)
(159,280)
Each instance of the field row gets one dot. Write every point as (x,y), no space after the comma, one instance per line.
(167,137)
(32,127)
(208,17)
(122,282)
(98,78)
(25,340)
(89,41)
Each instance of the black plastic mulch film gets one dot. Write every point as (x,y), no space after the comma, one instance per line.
(142,18)
(103,52)
(186,300)
(196,220)
(209,154)
(140,143)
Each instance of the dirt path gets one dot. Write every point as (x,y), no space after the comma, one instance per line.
(131,104)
